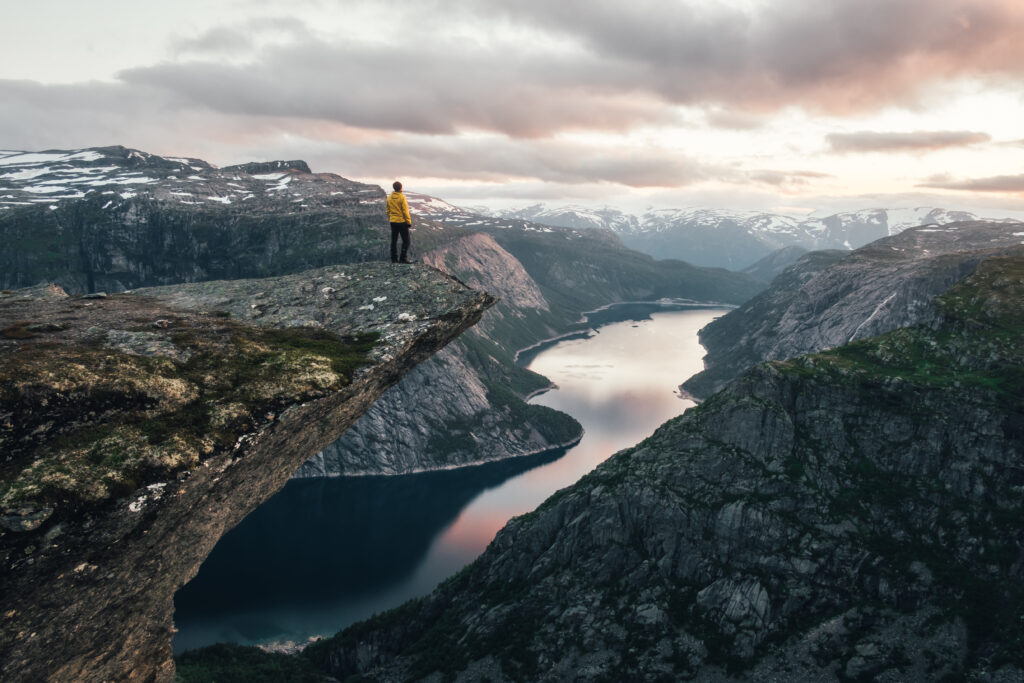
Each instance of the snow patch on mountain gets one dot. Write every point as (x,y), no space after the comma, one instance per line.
(733,238)
(28,178)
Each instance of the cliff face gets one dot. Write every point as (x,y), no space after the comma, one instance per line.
(830,298)
(553,276)
(480,418)
(442,414)
(138,428)
(111,218)
(851,514)
(584,269)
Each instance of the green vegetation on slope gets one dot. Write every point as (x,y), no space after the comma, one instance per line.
(972,357)
(975,345)
(582,273)
(149,416)
(229,663)
(877,464)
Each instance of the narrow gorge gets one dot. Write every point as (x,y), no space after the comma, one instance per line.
(148,412)
(850,514)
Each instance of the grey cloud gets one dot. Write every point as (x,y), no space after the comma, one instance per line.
(533,191)
(217,40)
(625,64)
(843,55)
(1002,183)
(918,141)
(499,160)
(243,38)
(433,88)
(35,116)
(781,178)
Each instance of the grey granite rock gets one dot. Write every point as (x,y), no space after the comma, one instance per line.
(831,298)
(125,460)
(850,513)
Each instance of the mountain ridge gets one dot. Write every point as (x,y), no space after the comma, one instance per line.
(736,239)
(830,298)
(852,514)
(112,218)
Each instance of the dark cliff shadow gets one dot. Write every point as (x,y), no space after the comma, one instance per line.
(324,541)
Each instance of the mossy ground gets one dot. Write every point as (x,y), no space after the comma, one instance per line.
(976,345)
(972,356)
(229,663)
(85,422)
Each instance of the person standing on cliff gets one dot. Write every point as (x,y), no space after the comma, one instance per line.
(401,222)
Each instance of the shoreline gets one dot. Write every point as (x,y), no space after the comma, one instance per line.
(537,392)
(682,304)
(664,301)
(446,468)
(534,458)
(537,347)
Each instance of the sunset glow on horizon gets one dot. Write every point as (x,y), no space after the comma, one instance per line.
(790,106)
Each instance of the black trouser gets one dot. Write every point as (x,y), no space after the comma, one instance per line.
(396,230)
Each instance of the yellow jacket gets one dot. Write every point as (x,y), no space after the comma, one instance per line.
(398,208)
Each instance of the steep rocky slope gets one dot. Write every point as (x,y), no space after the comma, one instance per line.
(546,278)
(735,239)
(772,265)
(589,267)
(137,428)
(482,416)
(854,514)
(830,298)
(583,269)
(111,218)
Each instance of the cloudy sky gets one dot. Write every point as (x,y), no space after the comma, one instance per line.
(786,105)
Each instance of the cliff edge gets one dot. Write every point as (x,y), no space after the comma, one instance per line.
(137,428)
(850,515)
(831,298)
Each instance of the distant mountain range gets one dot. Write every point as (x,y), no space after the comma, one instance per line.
(108,179)
(849,515)
(716,237)
(107,219)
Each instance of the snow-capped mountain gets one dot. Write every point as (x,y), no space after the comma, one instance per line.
(113,218)
(432,208)
(120,174)
(736,239)
(576,217)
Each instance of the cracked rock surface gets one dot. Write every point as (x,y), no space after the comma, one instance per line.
(138,428)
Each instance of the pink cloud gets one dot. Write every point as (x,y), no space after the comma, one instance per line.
(1010,184)
(918,141)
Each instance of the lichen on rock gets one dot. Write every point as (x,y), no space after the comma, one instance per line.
(137,428)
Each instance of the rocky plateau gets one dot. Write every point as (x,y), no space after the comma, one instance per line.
(137,428)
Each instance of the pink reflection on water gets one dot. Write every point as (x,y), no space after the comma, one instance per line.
(472,533)
(620,384)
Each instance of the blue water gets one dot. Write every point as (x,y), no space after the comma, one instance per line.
(322,554)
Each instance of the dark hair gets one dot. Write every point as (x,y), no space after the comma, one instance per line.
(397,185)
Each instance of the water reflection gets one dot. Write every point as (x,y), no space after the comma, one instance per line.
(327,551)
(322,554)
